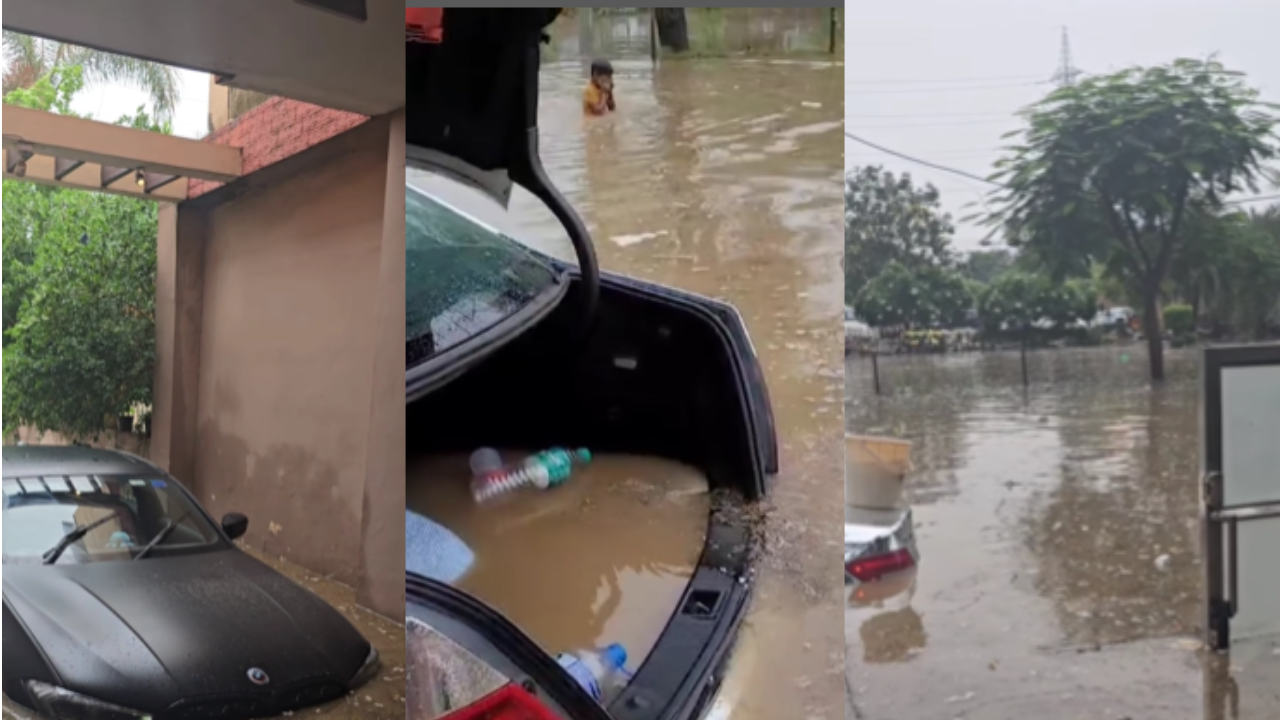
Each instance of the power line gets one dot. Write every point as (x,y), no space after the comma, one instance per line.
(966,88)
(971,176)
(918,161)
(927,81)
(871,37)
(960,123)
(957,153)
(933,115)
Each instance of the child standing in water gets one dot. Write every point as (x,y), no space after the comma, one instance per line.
(597,99)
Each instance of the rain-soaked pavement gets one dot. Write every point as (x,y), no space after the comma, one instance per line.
(722,176)
(381,699)
(1059,540)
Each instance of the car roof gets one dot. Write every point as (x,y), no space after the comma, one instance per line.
(22,461)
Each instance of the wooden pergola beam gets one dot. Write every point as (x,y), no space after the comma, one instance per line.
(45,170)
(104,145)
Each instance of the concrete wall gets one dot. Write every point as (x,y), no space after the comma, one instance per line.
(276,295)
(286,358)
(131,443)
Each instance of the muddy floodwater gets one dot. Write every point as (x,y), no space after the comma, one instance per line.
(723,177)
(1060,572)
(609,552)
(381,699)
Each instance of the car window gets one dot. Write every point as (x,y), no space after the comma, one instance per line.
(461,277)
(125,512)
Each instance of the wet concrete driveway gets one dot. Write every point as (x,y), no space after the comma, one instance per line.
(1059,535)
(722,176)
(381,699)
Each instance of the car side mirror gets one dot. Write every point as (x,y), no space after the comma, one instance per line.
(234,524)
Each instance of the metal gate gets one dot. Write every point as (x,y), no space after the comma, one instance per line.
(1240,402)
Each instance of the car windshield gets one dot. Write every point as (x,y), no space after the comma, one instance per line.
(124,512)
(461,277)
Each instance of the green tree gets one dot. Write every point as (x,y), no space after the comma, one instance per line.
(27,59)
(1110,169)
(888,219)
(1249,300)
(1227,270)
(1018,300)
(923,297)
(986,265)
(79,293)
(1180,320)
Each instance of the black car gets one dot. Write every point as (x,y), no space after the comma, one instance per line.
(124,599)
(507,347)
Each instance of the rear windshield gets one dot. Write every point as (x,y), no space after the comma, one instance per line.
(126,513)
(461,278)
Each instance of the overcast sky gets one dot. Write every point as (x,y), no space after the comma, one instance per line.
(940,79)
(109,102)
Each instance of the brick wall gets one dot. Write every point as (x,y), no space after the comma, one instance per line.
(275,130)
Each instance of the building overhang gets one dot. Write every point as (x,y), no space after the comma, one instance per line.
(72,152)
(342,54)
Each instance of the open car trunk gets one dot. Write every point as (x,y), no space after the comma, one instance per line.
(662,375)
(620,367)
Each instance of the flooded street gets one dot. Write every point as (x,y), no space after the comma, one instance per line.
(722,176)
(381,699)
(1060,571)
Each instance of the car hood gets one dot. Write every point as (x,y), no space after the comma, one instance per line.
(147,634)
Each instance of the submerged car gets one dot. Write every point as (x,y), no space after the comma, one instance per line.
(124,599)
(507,347)
(879,529)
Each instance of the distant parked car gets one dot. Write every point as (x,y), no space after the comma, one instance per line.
(1113,317)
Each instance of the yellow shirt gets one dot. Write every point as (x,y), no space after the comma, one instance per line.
(594,100)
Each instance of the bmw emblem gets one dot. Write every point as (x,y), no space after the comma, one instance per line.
(258,676)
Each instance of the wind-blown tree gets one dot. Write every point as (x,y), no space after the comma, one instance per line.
(926,297)
(79,292)
(1109,171)
(888,219)
(27,59)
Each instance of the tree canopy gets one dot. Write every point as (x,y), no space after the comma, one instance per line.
(1111,169)
(79,292)
(888,219)
(924,297)
(27,59)
(1017,300)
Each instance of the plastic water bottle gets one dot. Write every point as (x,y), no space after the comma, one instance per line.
(541,470)
(485,462)
(602,673)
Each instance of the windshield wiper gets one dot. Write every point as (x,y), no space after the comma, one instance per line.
(169,525)
(52,554)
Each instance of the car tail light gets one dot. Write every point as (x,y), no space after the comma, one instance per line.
(510,702)
(870,569)
(424,25)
